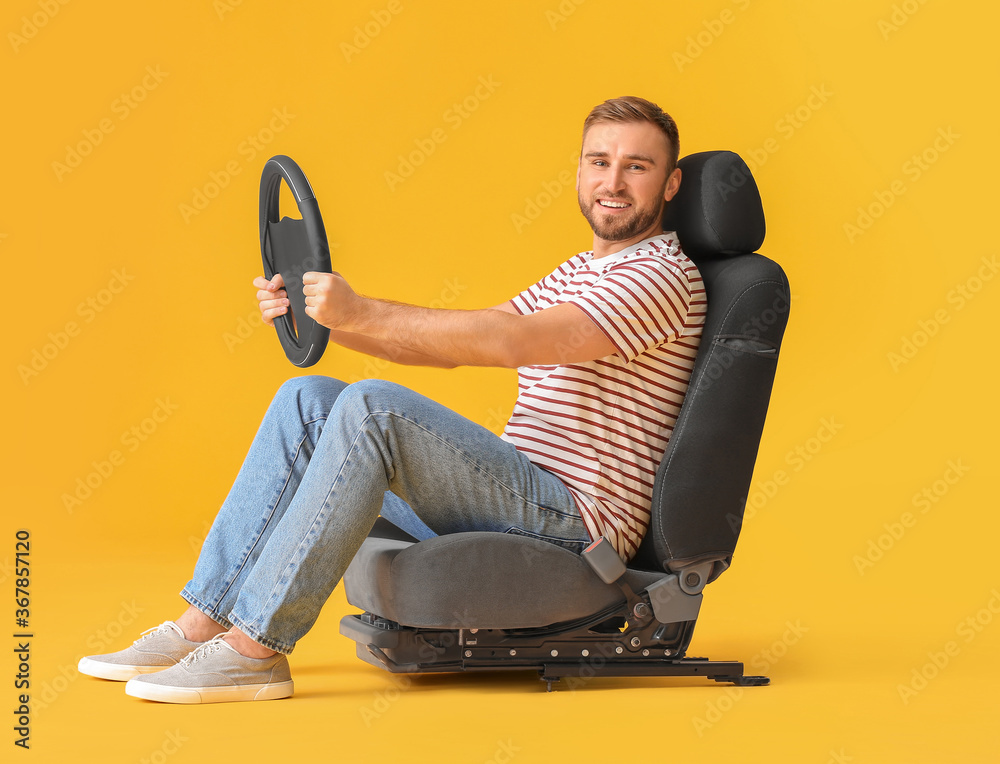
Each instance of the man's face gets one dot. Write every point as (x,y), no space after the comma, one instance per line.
(622,183)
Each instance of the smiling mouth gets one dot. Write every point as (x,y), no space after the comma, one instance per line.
(612,204)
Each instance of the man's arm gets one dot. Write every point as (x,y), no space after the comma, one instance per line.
(272,299)
(496,336)
(389,351)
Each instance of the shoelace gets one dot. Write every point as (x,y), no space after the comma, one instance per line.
(162,628)
(212,646)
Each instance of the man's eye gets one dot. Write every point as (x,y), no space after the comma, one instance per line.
(636,167)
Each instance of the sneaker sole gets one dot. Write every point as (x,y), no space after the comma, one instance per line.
(113,671)
(168,694)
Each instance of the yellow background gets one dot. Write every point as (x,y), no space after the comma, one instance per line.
(138,313)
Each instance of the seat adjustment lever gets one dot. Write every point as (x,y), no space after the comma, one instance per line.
(605,562)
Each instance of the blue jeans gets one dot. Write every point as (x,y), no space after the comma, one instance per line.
(327,460)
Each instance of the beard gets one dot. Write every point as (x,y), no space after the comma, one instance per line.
(618,227)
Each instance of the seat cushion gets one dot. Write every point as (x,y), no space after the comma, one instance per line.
(478,580)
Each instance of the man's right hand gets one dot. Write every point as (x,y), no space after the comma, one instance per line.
(271,298)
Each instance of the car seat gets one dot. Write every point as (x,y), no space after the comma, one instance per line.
(495,601)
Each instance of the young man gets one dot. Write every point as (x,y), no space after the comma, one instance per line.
(604,347)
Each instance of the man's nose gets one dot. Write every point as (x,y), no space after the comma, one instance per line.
(615,179)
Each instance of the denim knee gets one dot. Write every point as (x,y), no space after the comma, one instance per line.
(372,395)
(313,395)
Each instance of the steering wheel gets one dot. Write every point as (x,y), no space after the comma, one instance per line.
(293,247)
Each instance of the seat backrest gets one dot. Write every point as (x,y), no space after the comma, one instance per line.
(703,481)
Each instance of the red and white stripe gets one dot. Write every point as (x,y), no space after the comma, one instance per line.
(603,426)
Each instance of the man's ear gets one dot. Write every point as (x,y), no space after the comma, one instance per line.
(673,185)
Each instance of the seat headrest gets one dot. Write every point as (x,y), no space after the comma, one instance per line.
(717,210)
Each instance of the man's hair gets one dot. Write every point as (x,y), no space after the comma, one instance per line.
(635,109)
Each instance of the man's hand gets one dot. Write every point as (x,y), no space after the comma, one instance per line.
(330,301)
(271,298)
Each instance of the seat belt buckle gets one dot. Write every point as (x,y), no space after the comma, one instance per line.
(604,560)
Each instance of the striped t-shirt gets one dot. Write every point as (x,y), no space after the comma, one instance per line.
(603,426)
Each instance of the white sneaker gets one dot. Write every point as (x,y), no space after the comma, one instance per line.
(216,673)
(158,648)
